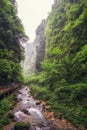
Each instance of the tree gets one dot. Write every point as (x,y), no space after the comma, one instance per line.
(11,35)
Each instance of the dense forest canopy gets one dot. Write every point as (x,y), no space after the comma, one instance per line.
(11,34)
(63,79)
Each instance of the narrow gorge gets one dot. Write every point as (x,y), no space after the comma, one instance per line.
(43,84)
(35,51)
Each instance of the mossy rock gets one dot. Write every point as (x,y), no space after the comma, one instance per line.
(10,115)
(22,126)
(1,126)
(5,121)
(25,111)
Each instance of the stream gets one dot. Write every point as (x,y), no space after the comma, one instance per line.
(30,110)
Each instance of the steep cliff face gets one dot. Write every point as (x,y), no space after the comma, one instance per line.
(66,41)
(63,79)
(56,2)
(34,52)
(11,37)
(39,45)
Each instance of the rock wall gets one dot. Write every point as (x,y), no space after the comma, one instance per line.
(34,52)
(39,44)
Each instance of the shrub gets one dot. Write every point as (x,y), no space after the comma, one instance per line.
(10,72)
(10,115)
(41,92)
(22,126)
(4,121)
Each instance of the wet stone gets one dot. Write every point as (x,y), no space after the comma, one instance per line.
(37,128)
(25,111)
(31,111)
(32,128)
(38,103)
(12,128)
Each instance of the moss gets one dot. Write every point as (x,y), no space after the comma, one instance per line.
(4,108)
(1,126)
(10,115)
(4,121)
(22,126)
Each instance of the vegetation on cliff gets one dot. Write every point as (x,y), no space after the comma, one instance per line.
(4,108)
(11,34)
(63,79)
(39,42)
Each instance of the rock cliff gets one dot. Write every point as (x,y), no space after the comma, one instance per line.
(35,51)
(39,44)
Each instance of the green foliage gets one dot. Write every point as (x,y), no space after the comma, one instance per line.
(66,43)
(10,71)
(4,121)
(5,70)
(11,29)
(17,73)
(6,54)
(74,9)
(70,101)
(22,126)
(5,105)
(10,116)
(11,34)
(40,79)
(41,93)
(32,79)
(72,98)
(64,69)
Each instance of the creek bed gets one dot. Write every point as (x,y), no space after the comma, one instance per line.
(29,110)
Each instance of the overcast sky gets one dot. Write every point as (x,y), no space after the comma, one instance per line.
(32,12)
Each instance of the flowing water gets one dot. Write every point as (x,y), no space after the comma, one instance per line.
(30,110)
(34,111)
